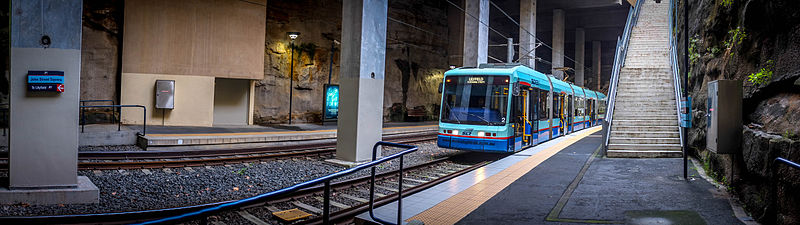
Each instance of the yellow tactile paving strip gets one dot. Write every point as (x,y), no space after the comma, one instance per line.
(460,205)
(273,132)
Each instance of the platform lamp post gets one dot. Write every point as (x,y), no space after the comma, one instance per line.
(292,35)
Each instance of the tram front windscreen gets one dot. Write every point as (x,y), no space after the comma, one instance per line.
(478,100)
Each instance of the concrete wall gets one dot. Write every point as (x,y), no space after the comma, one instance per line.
(191,42)
(203,38)
(194,100)
(44,129)
(231,98)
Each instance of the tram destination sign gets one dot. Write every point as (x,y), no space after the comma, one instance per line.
(45,81)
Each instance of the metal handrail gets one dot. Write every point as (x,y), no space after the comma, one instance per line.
(326,180)
(113,112)
(144,114)
(619,62)
(787,162)
(675,68)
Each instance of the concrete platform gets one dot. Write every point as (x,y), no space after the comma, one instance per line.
(568,181)
(107,134)
(85,192)
(195,136)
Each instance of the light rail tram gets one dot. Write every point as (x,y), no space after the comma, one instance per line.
(509,107)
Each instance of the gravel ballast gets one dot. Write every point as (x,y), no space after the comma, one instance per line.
(144,189)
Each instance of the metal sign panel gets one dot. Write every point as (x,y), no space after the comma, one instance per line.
(165,94)
(330,111)
(45,81)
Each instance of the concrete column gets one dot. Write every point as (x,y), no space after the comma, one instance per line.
(527,41)
(558,43)
(362,68)
(510,50)
(580,44)
(476,33)
(43,144)
(596,62)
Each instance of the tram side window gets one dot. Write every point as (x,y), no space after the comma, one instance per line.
(543,105)
(556,106)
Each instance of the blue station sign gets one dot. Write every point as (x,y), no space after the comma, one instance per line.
(46,81)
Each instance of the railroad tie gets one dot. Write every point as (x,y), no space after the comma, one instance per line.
(273,209)
(333,203)
(386,188)
(354,198)
(146,172)
(217,223)
(246,215)
(415,180)
(407,185)
(307,207)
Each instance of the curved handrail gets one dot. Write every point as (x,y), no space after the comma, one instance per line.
(674,63)
(787,162)
(277,193)
(619,62)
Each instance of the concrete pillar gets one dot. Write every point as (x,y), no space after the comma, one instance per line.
(476,33)
(43,145)
(527,41)
(362,68)
(580,43)
(558,43)
(596,62)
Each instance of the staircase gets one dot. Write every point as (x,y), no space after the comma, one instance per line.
(645,123)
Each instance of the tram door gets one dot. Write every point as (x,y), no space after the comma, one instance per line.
(521,109)
(562,117)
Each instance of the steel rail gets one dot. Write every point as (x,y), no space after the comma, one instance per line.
(213,157)
(341,215)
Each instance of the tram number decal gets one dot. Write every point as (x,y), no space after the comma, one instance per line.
(467,132)
(473,142)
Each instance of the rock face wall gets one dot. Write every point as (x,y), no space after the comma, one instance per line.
(416,59)
(738,39)
(100,55)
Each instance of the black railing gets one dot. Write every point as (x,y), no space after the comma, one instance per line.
(325,180)
(113,112)
(144,114)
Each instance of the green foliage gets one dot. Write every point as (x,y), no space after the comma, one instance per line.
(713,50)
(736,36)
(726,3)
(790,135)
(693,53)
(762,76)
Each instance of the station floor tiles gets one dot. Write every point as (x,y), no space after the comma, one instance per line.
(567,181)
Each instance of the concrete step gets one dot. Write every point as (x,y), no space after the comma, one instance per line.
(646,147)
(673,128)
(630,140)
(641,134)
(642,154)
(634,122)
(649,117)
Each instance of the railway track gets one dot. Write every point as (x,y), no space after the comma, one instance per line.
(349,198)
(177,159)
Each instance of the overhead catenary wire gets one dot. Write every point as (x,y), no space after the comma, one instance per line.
(487,25)
(534,36)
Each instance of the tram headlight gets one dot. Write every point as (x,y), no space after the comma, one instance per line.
(455,132)
(481,133)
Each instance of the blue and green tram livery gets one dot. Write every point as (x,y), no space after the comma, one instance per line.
(509,107)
